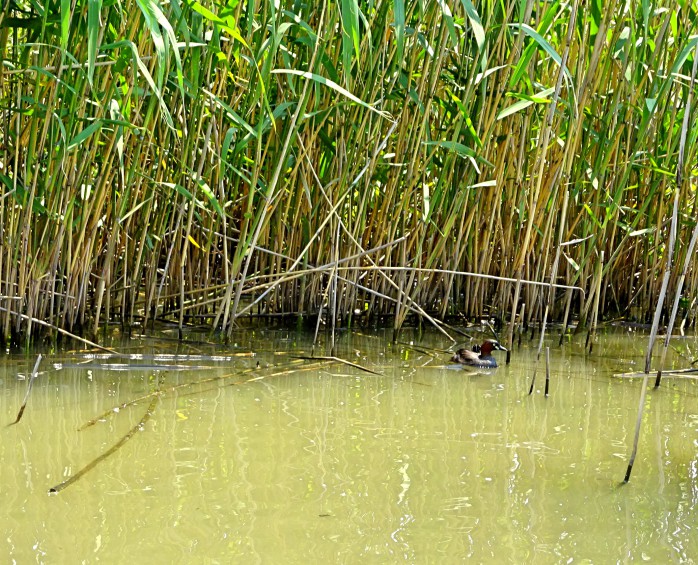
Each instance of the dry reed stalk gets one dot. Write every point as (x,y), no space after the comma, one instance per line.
(689,252)
(655,322)
(665,282)
(675,307)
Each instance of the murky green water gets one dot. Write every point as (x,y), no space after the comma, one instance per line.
(422,464)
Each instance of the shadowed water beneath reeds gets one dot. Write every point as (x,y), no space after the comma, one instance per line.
(423,463)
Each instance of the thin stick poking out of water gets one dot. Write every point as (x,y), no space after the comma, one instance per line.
(110,451)
(597,296)
(638,424)
(547,370)
(515,303)
(29,389)
(519,328)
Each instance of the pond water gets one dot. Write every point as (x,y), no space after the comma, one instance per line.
(253,456)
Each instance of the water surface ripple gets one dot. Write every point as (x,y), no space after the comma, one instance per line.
(252,456)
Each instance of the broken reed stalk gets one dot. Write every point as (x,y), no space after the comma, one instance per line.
(317,324)
(533,378)
(113,449)
(547,370)
(591,334)
(29,388)
(671,372)
(291,274)
(566,317)
(297,261)
(492,330)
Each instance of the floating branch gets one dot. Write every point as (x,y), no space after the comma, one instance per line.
(336,360)
(148,413)
(671,373)
(116,409)
(132,367)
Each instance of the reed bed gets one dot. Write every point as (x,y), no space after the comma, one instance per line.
(200,162)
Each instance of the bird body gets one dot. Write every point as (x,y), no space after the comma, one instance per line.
(480,357)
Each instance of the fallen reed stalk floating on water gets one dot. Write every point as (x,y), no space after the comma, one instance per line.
(119,407)
(336,360)
(159,394)
(113,449)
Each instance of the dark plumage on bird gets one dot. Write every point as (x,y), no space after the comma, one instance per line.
(481,356)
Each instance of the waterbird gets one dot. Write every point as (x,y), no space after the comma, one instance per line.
(481,356)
